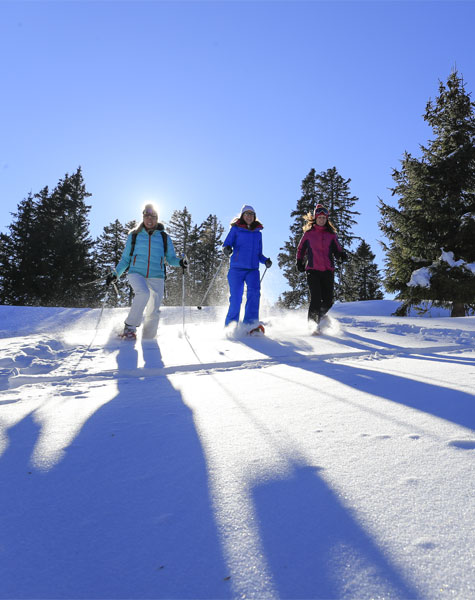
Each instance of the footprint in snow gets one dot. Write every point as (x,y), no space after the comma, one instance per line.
(463,444)
(425,544)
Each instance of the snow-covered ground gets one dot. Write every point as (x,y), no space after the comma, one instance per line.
(201,465)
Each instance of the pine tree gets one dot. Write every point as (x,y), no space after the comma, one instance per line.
(330,189)
(107,254)
(183,235)
(50,248)
(207,262)
(362,280)
(19,255)
(432,232)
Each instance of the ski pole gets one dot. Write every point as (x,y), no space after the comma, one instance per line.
(183,291)
(96,329)
(265,271)
(210,285)
(91,282)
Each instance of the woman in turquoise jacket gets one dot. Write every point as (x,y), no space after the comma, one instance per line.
(147,250)
(244,244)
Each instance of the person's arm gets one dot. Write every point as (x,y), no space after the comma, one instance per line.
(172,258)
(125,258)
(301,252)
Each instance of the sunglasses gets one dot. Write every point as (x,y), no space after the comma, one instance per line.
(150,214)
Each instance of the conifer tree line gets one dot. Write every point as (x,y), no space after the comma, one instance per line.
(48,257)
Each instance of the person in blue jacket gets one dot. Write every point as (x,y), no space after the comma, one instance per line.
(244,245)
(144,257)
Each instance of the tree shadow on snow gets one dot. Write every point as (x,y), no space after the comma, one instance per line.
(442,402)
(127,511)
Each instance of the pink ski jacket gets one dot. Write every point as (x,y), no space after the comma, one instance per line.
(318,246)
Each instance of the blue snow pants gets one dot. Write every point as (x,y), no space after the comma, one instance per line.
(236,280)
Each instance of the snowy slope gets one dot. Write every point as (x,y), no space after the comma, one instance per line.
(202,465)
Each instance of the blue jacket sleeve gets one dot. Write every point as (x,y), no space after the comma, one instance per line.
(230,238)
(262,258)
(125,258)
(172,258)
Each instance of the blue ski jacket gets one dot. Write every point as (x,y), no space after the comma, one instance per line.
(247,247)
(148,258)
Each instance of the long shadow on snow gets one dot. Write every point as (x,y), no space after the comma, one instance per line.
(313,545)
(316,548)
(451,405)
(125,514)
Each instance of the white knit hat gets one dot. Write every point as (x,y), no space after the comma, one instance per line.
(246,207)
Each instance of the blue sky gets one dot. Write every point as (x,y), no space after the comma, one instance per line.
(214,104)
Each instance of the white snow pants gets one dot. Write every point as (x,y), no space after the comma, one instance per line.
(148,293)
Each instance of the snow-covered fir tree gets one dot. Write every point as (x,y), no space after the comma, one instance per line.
(332,190)
(361,278)
(431,233)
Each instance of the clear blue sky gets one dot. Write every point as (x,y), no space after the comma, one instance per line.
(213,104)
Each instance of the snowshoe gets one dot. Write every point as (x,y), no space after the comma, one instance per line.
(259,330)
(128,334)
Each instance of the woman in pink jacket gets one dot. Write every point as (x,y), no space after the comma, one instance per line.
(315,255)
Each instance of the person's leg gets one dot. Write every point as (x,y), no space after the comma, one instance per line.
(141,297)
(327,286)
(236,288)
(253,283)
(314,287)
(152,313)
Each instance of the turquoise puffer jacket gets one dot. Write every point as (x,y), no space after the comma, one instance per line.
(148,258)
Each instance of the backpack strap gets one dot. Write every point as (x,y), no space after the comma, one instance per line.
(134,239)
(165,245)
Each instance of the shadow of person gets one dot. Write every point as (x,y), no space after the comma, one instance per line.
(126,513)
(314,546)
(449,404)
(151,354)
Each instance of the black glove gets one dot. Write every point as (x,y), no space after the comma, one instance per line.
(183,263)
(300,266)
(227,250)
(111,278)
(268,263)
(343,256)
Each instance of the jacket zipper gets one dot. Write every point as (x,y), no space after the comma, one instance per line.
(148,260)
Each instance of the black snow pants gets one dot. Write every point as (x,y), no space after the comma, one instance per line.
(320,285)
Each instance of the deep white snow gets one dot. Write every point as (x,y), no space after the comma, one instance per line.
(211,465)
